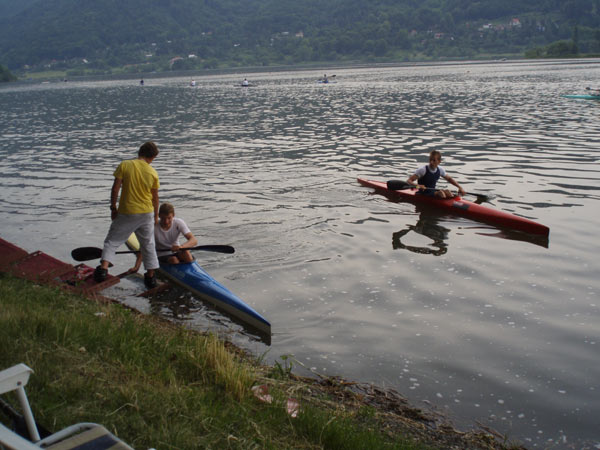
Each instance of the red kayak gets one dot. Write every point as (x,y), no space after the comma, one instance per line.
(461,207)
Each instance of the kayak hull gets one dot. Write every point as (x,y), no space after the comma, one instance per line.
(192,277)
(583,96)
(461,207)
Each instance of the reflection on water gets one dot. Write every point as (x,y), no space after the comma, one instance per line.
(542,241)
(494,330)
(426,226)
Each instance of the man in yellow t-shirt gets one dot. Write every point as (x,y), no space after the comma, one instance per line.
(138,183)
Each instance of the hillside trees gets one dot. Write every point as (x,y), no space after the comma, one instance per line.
(143,33)
(6,75)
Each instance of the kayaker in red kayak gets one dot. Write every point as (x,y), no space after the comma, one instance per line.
(428,175)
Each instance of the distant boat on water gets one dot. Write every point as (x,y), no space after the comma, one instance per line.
(326,79)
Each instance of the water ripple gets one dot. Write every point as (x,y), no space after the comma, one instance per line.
(498,330)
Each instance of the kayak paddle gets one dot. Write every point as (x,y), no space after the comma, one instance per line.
(397,185)
(88,253)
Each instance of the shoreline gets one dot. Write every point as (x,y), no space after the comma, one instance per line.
(61,76)
(392,414)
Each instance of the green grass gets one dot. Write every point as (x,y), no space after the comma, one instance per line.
(158,385)
(43,75)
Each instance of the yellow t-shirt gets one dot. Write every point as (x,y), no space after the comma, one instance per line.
(139,178)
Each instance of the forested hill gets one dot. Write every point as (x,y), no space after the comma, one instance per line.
(96,35)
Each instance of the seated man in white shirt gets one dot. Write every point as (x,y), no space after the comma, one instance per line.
(166,237)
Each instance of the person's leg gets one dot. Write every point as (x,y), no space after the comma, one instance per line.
(173,260)
(145,235)
(119,231)
(185,256)
(444,193)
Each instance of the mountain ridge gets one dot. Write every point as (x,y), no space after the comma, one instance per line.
(185,34)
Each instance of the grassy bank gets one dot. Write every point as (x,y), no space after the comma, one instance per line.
(154,384)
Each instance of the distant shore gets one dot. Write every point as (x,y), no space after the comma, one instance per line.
(118,74)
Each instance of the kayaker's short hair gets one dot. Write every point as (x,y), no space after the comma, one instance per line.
(435,153)
(148,150)
(166,209)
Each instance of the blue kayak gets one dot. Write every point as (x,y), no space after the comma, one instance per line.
(194,278)
(584,96)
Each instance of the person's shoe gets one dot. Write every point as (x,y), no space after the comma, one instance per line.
(100,274)
(150,281)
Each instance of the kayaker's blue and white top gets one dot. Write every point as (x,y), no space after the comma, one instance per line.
(428,177)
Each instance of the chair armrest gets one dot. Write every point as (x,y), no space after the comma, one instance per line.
(14,377)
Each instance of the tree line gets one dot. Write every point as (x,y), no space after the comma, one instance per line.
(88,36)
(6,75)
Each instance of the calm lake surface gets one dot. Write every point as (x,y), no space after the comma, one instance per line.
(457,316)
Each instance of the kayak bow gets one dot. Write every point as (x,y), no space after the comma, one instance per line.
(461,207)
(584,96)
(194,278)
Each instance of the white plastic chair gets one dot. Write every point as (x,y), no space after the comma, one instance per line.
(71,438)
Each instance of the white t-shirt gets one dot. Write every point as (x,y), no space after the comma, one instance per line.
(167,238)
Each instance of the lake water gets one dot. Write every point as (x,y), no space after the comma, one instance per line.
(457,316)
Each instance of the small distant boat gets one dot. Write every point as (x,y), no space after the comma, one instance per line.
(584,96)
(326,79)
(593,94)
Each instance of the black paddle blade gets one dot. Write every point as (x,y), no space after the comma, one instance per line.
(480,197)
(86,253)
(215,248)
(397,185)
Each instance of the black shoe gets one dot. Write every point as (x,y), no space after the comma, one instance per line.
(150,281)
(100,274)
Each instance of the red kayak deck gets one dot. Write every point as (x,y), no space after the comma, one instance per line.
(463,208)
